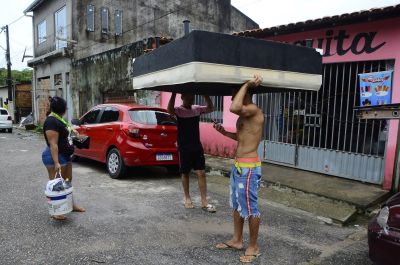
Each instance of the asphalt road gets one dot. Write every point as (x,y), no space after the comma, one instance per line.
(141,220)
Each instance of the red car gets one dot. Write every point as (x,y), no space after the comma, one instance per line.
(384,233)
(125,135)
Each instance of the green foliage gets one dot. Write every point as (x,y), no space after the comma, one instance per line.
(39,128)
(18,76)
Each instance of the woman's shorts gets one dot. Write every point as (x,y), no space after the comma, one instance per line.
(48,160)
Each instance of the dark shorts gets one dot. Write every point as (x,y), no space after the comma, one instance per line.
(191,159)
(48,160)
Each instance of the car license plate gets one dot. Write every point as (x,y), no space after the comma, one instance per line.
(163,157)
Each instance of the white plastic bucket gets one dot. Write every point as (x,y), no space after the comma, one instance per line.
(59,202)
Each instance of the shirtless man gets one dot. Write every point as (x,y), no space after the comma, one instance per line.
(246,174)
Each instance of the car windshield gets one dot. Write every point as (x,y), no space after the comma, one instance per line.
(3,112)
(152,117)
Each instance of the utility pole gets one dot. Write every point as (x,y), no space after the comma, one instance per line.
(9,79)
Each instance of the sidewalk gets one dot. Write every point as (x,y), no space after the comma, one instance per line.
(336,198)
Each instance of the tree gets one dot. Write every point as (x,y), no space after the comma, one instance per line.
(18,76)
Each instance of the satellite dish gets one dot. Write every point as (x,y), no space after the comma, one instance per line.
(25,56)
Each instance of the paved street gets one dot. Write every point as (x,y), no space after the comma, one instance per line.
(141,220)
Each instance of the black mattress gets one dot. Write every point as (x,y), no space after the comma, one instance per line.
(213,63)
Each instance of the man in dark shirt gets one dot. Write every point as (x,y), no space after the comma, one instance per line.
(191,154)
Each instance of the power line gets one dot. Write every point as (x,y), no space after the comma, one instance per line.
(16,20)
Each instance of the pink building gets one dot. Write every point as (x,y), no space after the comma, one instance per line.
(320,131)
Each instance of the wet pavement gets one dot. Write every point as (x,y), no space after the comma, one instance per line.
(141,220)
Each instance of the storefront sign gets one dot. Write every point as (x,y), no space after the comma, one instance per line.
(362,42)
(375,88)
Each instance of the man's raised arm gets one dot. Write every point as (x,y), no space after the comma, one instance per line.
(171,104)
(237,105)
(210,105)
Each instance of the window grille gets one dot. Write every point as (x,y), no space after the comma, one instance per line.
(104,20)
(90,18)
(217,114)
(118,23)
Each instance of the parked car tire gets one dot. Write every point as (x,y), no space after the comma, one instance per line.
(115,165)
(10,130)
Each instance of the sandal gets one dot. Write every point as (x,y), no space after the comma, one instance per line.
(249,258)
(226,246)
(209,208)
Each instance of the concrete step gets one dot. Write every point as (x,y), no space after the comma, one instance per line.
(362,196)
(327,210)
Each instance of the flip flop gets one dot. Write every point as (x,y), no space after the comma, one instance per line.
(59,217)
(226,246)
(209,208)
(249,258)
(78,209)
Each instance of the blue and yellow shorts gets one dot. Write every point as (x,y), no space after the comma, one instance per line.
(244,185)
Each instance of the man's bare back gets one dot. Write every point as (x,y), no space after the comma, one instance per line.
(249,132)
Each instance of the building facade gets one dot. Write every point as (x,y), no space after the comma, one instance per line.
(320,131)
(83,49)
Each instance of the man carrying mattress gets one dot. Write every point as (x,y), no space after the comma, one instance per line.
(246,173)
(191,153)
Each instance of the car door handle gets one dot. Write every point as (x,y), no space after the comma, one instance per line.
(109,129)
(87,129)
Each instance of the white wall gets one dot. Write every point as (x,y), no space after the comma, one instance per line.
(3,93)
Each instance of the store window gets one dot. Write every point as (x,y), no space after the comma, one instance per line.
(90,18)
(60,18)
(41,28)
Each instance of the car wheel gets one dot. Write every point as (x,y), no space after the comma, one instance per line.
(10,130)
(115,165)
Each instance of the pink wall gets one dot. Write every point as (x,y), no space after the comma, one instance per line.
(377,40)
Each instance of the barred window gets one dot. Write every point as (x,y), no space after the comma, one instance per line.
(217,114)
(118,23)
(90,18)
(104,20)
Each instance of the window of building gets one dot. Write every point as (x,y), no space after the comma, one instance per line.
(41,28)
(104,20)
(60,18)
(217,114)
(90,18)
(118,23)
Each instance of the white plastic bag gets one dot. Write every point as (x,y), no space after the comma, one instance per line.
(56,184)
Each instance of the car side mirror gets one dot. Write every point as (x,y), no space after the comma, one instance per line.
(76,122)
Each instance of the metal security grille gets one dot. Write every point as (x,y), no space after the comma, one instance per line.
(217,114)
(301,126)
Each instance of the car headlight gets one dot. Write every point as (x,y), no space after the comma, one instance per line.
(383,217)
